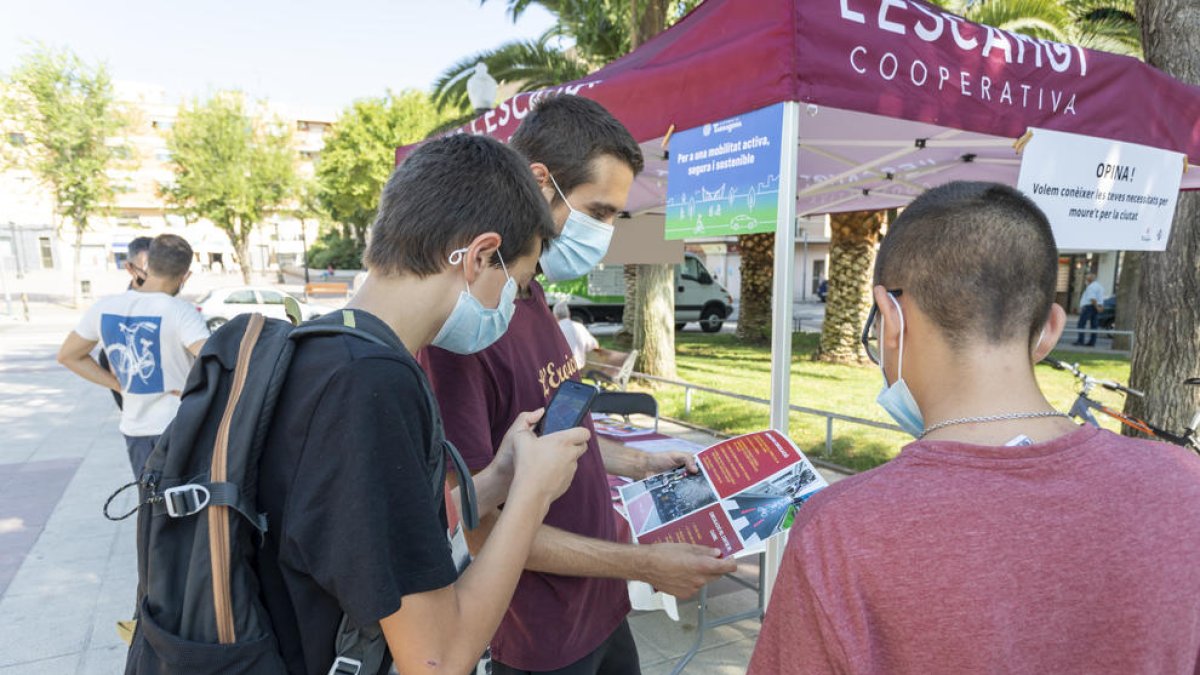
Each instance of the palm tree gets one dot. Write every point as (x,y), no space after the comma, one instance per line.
(587,35)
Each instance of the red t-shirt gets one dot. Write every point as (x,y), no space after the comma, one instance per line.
(553,620)
(1079,555)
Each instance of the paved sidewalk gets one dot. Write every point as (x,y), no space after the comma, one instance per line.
(67,574)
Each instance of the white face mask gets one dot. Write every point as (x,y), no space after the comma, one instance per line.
(896,398)
(580,247)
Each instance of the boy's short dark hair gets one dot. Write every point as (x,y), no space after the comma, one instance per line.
(567,132)
(978,258)
(170,256)
(446,193)
(138,246)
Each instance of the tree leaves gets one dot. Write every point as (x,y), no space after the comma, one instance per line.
(230,167)
(67,113)
(360,153)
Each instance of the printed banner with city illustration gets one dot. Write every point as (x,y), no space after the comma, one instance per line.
(747,491)
(723,177)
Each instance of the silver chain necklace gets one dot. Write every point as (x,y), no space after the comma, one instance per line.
(992,418)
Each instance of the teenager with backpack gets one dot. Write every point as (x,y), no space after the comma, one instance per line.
(328,552)
(569,612)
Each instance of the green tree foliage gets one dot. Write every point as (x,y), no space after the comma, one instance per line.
(360,154)
(230,167)
(331,248)
(1107,25)
(587,35)
(67,114)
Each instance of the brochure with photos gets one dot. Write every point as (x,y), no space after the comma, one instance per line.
(747,491)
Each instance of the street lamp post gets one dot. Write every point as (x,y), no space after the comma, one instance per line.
(304,245)
(481,89)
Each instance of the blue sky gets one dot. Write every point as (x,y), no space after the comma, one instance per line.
(323,53)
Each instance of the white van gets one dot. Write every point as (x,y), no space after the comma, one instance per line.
(698,298)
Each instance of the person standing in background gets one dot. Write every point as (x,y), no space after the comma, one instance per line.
(578,337)
(150,337)
(1089,309)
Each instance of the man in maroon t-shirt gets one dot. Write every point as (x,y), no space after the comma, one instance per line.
(1006,538)
(568,614)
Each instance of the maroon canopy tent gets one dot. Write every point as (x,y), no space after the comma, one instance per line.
(892,88)
(885,98)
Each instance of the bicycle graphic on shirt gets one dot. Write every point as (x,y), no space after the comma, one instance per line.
(136,356)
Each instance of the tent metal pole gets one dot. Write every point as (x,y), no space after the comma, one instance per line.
(781,313)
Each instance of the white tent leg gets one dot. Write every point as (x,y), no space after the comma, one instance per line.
(781,313)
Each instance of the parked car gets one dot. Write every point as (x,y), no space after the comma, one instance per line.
(223,304)
(1107,317)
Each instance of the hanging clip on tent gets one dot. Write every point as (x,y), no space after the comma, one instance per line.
(666,141)
(1020,143)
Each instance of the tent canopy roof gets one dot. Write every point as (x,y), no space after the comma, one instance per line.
(900,95)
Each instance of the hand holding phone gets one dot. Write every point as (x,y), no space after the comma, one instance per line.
(567,408)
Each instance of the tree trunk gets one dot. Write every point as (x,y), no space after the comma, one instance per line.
(1167,328)
(654,301)
(75,289)
(1127,297)
(241,251)
(624,336)
(649,19)
(851,260)
(654,325)
(758,275)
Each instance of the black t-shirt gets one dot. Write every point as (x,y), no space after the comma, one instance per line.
(354,524)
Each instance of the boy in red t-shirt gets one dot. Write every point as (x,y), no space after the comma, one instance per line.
(1006,538)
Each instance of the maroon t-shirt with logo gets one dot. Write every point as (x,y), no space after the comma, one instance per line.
(553,620)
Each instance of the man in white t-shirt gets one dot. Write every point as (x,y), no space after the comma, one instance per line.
(578,337)
(1089,309)
(150,338)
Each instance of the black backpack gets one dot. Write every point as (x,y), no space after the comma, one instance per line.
(199,609)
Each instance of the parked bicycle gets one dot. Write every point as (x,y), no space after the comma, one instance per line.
(1084,405)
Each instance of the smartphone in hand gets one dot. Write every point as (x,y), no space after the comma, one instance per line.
(567,408)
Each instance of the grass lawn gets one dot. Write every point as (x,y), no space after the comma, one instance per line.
(721,362)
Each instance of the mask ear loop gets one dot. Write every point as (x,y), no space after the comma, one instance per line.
(457,256)
(560,192)
(900,356)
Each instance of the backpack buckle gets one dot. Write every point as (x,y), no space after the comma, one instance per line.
(186,500)
(343,665)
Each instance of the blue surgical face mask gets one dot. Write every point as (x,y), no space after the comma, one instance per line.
(580,247)
(895,398)
(471,327)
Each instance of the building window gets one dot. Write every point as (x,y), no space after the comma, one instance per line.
(818,274)
(302,125)
(47,253)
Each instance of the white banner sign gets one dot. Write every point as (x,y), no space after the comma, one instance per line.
(1102,195)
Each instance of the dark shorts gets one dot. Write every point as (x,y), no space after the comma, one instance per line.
(139,448)
(617,655)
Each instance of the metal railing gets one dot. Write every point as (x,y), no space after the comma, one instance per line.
(689,388)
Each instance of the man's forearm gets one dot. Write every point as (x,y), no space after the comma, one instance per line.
(622,460)
(556,551)
(87,368)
